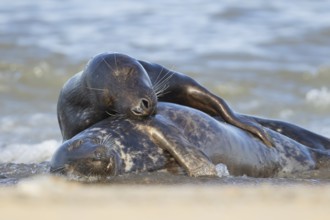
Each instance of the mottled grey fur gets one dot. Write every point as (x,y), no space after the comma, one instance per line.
(180,137)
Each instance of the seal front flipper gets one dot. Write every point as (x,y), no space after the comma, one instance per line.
(181,89)
(188,156)
(193,160)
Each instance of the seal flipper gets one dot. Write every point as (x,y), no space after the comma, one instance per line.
(195,162)
(295,132)
(183,90)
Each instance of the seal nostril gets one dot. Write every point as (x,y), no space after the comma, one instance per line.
(143,108)
(145,104)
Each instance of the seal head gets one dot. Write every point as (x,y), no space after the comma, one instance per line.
(120,85)
(85,158)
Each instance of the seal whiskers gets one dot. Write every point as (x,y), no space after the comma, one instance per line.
(161,81)
(161,84)
(97,89)
(107,140)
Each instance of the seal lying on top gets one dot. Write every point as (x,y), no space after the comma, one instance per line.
(195,140)
(117,84)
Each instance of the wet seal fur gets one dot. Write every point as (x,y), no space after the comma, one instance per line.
(113,104)
(179,136)
(119,85)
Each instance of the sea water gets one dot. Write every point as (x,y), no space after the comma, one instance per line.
(266,58)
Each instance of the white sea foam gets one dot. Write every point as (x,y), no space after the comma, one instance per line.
(319,97)
(28,153)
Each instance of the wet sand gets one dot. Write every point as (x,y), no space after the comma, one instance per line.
(54,198)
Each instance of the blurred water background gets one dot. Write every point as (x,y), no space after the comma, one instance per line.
(266,58)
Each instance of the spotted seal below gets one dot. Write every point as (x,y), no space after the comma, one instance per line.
(181,137)
(117,84)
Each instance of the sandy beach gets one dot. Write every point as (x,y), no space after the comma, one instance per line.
(56,198)
(270,59)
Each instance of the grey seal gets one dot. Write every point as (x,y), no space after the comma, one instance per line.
(180,137)
(117,84)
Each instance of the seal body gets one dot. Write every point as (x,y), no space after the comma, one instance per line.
(119,85)
(179,137)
